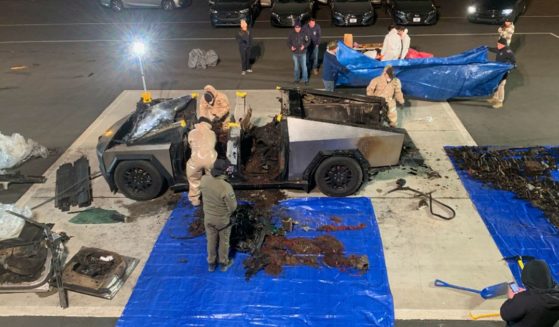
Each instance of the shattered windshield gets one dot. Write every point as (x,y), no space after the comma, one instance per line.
(157,116)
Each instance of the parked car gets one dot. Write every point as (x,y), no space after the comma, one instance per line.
(352,12)
(230,12)
(322,138)
(286,12)
(118,5)
(413,12)
(495,11)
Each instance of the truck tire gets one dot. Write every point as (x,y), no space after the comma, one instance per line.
(339,176)
(138,180)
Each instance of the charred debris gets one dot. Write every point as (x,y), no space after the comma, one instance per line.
(525,172)
(262,230)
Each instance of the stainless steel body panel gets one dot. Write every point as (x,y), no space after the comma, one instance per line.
(161,152)
(308,138)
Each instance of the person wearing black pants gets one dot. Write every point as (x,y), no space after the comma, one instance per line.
(244,39)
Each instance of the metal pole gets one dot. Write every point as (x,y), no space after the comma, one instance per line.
(142,72)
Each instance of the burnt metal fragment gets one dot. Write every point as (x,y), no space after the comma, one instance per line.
(73,185)
(525,172)
(97,272)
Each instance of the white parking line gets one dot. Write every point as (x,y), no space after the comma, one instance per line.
(266,38)
(204,22)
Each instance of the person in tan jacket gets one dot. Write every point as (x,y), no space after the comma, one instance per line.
(390,88)
(202,142)
(214,104)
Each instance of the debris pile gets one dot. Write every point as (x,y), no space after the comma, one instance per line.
(278,251)
(525,172)
(262,163)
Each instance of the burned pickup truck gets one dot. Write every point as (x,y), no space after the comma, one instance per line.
(323,139)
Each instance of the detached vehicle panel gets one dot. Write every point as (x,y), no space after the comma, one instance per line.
(230,12)
(291,152)
(352,12)
(413,12)
(495,11)
(286,12)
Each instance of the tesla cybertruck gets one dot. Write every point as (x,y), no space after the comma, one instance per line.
(318,138)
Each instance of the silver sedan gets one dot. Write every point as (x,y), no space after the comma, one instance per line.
(118,5)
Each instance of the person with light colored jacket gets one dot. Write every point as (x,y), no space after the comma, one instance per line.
(388,87)
(213,104)
(506,31)
(202,141)
(393,45)
(405,43)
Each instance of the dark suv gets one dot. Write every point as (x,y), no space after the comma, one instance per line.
(230,12)
(495,11)
(352,12)
(286,12)
(413,12)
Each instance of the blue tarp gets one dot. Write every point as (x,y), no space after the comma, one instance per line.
(175,288)
(468,74)
(516,226)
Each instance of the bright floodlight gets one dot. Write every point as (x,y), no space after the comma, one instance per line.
(138,48)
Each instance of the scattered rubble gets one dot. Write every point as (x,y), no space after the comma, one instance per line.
(278,251)
(525,172)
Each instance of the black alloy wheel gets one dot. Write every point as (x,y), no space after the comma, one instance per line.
(167,5)
(339,176)
(138,180)
(116,5)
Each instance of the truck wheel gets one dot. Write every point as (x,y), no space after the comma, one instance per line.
(138,180)
(339,176)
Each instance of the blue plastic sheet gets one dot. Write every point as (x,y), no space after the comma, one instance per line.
(516,226)
(468,74)
(175,288)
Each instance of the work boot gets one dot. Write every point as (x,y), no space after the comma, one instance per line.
(315,71)
(497,105)
(211,267)
(225,267)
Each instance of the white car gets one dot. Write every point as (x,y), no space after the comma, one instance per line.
(118,5)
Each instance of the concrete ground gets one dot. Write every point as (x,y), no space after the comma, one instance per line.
(75,54)
(418,247)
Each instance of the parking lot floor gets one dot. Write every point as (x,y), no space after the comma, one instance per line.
(418,247)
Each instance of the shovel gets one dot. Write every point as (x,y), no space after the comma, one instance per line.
(486,293)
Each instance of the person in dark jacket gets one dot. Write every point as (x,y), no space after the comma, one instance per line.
(331,67)
(504,55)
(244,39)
(298,42)
(219,204)
(538,305)
(313,31)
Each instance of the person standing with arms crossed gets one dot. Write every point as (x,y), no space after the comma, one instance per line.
(244,39)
